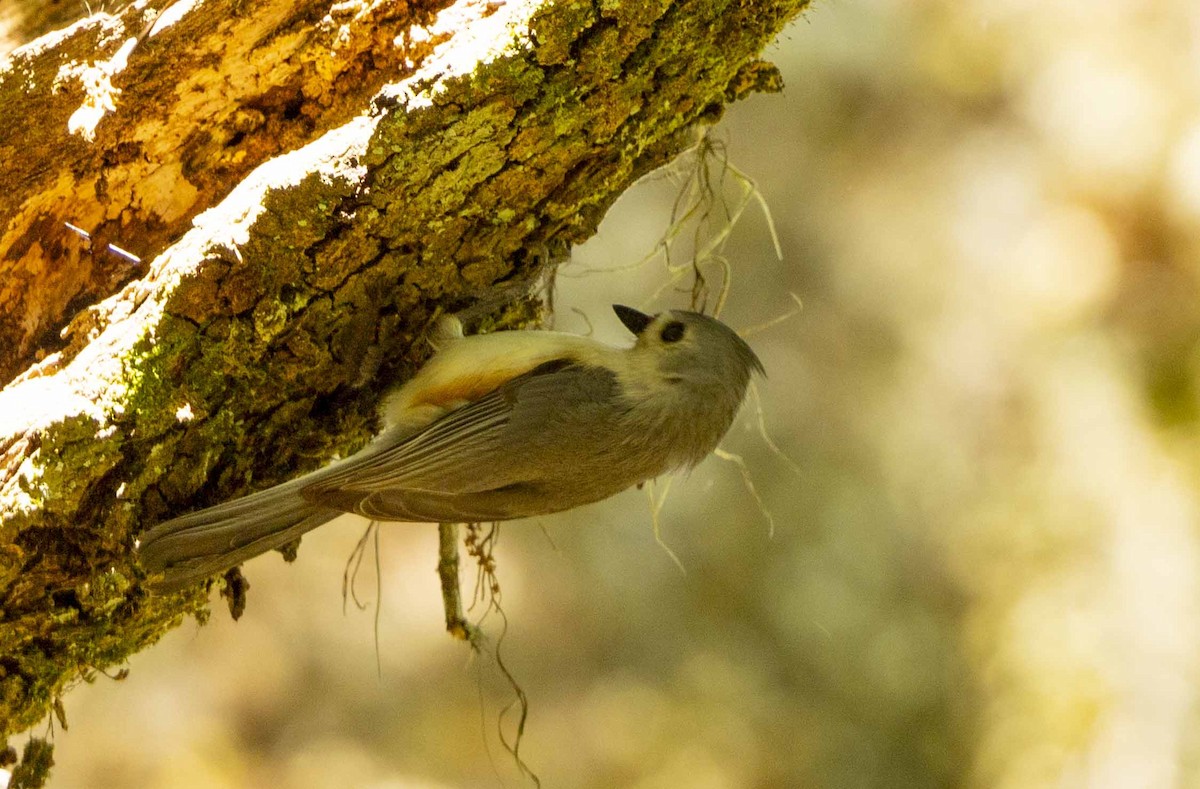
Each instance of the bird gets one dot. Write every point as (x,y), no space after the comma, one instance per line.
(495,427)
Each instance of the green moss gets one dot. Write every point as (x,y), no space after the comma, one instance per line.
(100,622)
(34,768)
(65,449)
(556,29)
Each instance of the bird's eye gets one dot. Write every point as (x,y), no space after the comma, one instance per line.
(672,332)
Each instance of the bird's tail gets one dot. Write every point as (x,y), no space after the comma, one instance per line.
(192,547)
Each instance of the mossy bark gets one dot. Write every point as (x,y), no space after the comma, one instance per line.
(367,166)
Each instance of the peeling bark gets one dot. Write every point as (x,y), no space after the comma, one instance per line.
(369,164)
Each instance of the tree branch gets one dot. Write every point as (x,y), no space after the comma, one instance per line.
(370,164)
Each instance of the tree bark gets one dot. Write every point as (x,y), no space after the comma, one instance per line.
(364,166)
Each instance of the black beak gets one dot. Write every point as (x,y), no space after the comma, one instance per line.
(635,321)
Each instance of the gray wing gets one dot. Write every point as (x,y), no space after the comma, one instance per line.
(484,461)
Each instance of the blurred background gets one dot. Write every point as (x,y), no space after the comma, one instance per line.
(984,565)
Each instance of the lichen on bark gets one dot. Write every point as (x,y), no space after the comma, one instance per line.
(255,344)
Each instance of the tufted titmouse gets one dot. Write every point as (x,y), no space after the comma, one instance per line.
(495,427)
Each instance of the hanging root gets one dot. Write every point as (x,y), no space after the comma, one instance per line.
(353,565)
(703,202)
(481,546)
(703,174)
(749,482)
(656,505)
(520,703)
(763,433)
(350,579)
(740,462)
(771,323)
(447,568)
